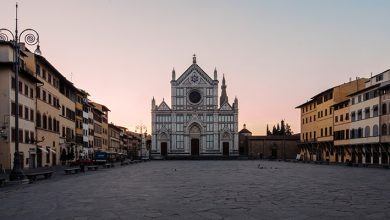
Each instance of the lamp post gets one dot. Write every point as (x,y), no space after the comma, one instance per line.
(31,37)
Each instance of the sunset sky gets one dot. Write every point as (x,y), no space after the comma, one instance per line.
(275,54)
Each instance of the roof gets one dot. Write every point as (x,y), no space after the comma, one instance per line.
(323,92)
(364,90)
(341,102)
(307,102)
(295,137)
(45,61)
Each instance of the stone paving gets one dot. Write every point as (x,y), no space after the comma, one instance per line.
(206,190)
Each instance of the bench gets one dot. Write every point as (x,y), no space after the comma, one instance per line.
(72,170)
(33,176)
(126,162)
(108,165)
(93,167)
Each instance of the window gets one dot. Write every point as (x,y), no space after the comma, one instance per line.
(384,129)
(44,121)
(367,131)
(326,112)
(359,98)
(31,115)
(367,112)
(379,78)
(13,83)
(44,95)
(49,97)
(336,119)
(342,118)
(26,90)
(31,93)
(26,111)
(347,134)
(359,115)
(347,116)
(50,124)
(39,124)
(32,137)
(21,111)
(44,74)
(375,131)
(26,137)
(13,108)
(384,109)
(38,92)
(322,132)
(314,117)
(38,70)
(20,136)
(326,131)
(13,135)
(20,87)
(375,109)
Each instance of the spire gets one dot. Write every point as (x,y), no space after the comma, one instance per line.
(153,103)
(194,59)
(224,97)
(215,74)
(173,74)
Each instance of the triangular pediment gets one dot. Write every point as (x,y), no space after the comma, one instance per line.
(226,107)
(163,107)
(194,75)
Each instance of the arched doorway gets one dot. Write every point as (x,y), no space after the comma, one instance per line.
(195,132)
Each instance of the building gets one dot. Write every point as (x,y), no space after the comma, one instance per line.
(317,121)
(341,136)
(269,146)
(370,121)
(27,109)
(82,121)
(114,139)
(102,125)
(195,124)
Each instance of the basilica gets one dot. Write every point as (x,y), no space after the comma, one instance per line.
(196,124)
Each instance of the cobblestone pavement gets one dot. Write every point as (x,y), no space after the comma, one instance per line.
(206,190)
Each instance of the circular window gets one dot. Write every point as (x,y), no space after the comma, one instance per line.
(194,96)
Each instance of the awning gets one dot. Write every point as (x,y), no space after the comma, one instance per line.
(53,151)
(43,149)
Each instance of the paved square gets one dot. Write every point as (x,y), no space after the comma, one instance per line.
(205,190)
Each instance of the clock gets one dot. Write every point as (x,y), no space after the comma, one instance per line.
(194,97)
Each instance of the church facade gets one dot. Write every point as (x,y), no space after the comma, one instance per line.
(196,124)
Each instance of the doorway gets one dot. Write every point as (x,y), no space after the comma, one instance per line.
(164,149)
(274,153)
(225,147)
(39,157)
(195,147)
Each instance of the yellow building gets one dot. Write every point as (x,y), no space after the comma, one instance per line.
(342,126)
(26,108)
(318,121)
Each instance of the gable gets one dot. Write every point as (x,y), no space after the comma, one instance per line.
(163,107)
(226,107)
(194,75)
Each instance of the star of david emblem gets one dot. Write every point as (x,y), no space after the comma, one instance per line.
(194,78)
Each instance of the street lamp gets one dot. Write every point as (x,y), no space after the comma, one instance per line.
(31,37)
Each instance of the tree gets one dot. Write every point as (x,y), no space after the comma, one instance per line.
(278,129)
(288,130)
(282,128)
(70,155)
(268,131)
(274,131)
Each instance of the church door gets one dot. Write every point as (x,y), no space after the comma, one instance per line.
(195,147)
(225,148)
(164,149)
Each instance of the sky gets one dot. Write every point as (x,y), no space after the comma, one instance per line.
(275,54)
